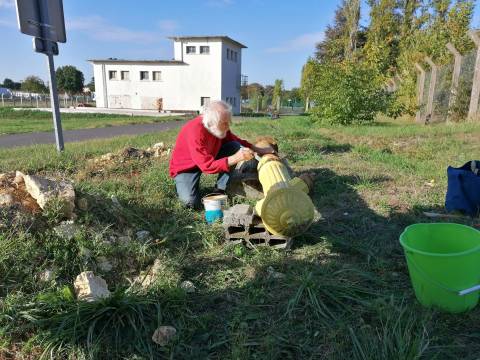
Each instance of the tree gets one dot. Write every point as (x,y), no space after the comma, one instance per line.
(91,85)
(34,84)
(381,50)
(277,94)
(307,83)
(10,84)
(70,79)
(344,36)
(352,18)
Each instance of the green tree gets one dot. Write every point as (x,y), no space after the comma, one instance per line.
(382,46)
(70,79)
(91,84)
(307,83)
(10,84)
(34,84)
(346,93)
(277,94)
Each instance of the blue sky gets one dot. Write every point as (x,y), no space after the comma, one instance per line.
(280,35)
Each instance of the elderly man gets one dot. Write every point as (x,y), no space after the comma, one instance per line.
(206,145)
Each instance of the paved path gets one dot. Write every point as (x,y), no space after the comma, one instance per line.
(8,141)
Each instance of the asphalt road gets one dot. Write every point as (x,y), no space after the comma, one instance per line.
(8,141)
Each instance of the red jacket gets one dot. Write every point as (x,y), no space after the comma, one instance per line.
(197,148)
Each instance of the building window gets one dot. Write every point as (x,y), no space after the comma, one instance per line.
(112,75)
(234,101)
(191,49)
(204,101)
(125,75)
(143,75)
(205,50)
(157,75)
(235,56)
(228,54)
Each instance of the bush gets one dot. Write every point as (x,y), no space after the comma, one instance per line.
(347,93)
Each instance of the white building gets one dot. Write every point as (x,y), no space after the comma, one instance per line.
(203,68)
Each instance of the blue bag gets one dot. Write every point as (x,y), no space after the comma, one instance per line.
(463,192)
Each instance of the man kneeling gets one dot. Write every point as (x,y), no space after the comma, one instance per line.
(206,145)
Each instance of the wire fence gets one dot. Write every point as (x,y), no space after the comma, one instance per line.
(43,100)
(450,101)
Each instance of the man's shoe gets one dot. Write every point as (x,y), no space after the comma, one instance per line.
(218,191)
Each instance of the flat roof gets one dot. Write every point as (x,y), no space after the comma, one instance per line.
(215,37)
(153,62)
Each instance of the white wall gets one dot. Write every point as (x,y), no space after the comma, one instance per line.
(231,74)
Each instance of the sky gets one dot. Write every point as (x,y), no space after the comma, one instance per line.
(280,35)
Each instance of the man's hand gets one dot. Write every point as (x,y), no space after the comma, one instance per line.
(244,154)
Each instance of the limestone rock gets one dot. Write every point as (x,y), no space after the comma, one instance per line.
(6,199)
(18,178)
(44,190)
(82,204)
(89,287)
(274,274)
(66,230)
(143,235)
(107,157)
(187,286)
(103,264)
(46,275)
(163,335)
(159,145)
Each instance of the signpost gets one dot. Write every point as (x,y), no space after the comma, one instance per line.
(44,20)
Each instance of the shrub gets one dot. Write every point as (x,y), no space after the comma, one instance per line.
(347,93)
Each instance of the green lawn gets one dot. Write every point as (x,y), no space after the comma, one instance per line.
(346,293)
(25,121)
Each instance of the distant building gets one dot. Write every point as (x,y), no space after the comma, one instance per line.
(6,93)
(204,68)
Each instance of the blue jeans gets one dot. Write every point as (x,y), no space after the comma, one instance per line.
(188,183)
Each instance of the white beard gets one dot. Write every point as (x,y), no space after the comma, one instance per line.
(217,133)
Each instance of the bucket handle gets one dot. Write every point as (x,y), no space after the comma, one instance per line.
(440,285)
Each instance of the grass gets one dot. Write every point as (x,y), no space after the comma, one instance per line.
(26,121)
(346,292)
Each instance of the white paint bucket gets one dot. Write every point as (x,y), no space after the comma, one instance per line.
(214,205)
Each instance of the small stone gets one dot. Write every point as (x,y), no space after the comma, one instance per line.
(85,253)
(104,264)
(46,276)
(163,335)
(188,286)
(6,200)
(89,287)
(107,157)
(124,239)
(66,229)
(115,201)
(159,145)
(18,178)
(3,177)
(274,274)
(143,235)
(82,204)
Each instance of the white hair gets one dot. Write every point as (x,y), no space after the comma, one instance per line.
(212,115)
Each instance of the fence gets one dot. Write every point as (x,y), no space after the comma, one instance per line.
(43,100)
(450,92)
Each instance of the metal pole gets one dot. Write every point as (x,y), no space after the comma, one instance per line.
(55,105)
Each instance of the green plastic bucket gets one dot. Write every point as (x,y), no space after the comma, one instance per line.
(444,264)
